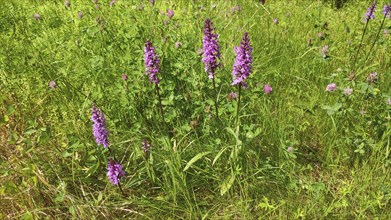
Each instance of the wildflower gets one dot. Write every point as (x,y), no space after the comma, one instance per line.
(347,91)
(152,2)
(372,77)
(124,77)
(80,14)
(140,7)
(170,13)
(232,95)
(151,61)
(178,45)
(331,87)
(114,172)
(290,149)
(236,8)
(145,146)
(387,10)
(99,127)
(243,63)
(322,36)
(389,101)
(267,89)
(52,84)
(112,3)
(37,16)
(211,49)
(275,21)
(67,3)
(193,124)
(370,14)
(324,51)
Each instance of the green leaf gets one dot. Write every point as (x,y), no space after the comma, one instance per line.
(219,155)
(227,184)
(27,216)
(72,210)
(66,154)
(195,158)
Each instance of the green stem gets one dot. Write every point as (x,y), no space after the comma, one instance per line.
(359,46)
(216,100)
(374,42)
(238,107)
(160,102)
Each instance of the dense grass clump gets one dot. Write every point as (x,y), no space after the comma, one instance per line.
(130,109)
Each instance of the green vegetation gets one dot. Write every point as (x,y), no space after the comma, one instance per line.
(301,152)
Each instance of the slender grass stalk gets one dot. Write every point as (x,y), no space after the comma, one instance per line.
(374,42)
(216,98)
(160,102)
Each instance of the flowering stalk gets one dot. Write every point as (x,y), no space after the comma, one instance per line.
(151,61)
(99,127)
(387,14)
(242,67)
(211,55)
(114,173)
(368,16)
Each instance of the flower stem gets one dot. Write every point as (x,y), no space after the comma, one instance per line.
(160,102)
(238,107)
(216,100)
(374,42)
(359,46)
(120,188)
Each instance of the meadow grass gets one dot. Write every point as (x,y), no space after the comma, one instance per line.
(301,152)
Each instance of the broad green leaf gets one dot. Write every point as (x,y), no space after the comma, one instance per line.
(195,158)
(219,155)
(227,184)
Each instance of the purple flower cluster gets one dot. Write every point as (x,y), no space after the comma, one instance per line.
(267,89)
(37,16)
(372,77)
(370,14)
(145,146)
(243,62)
(211,49)
(324,51)
(151,61)
(331,87)
(114,172)
(170,13)
(99,127)
(347,91)
(387,10)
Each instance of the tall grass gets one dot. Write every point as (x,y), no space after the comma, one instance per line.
(301,152)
